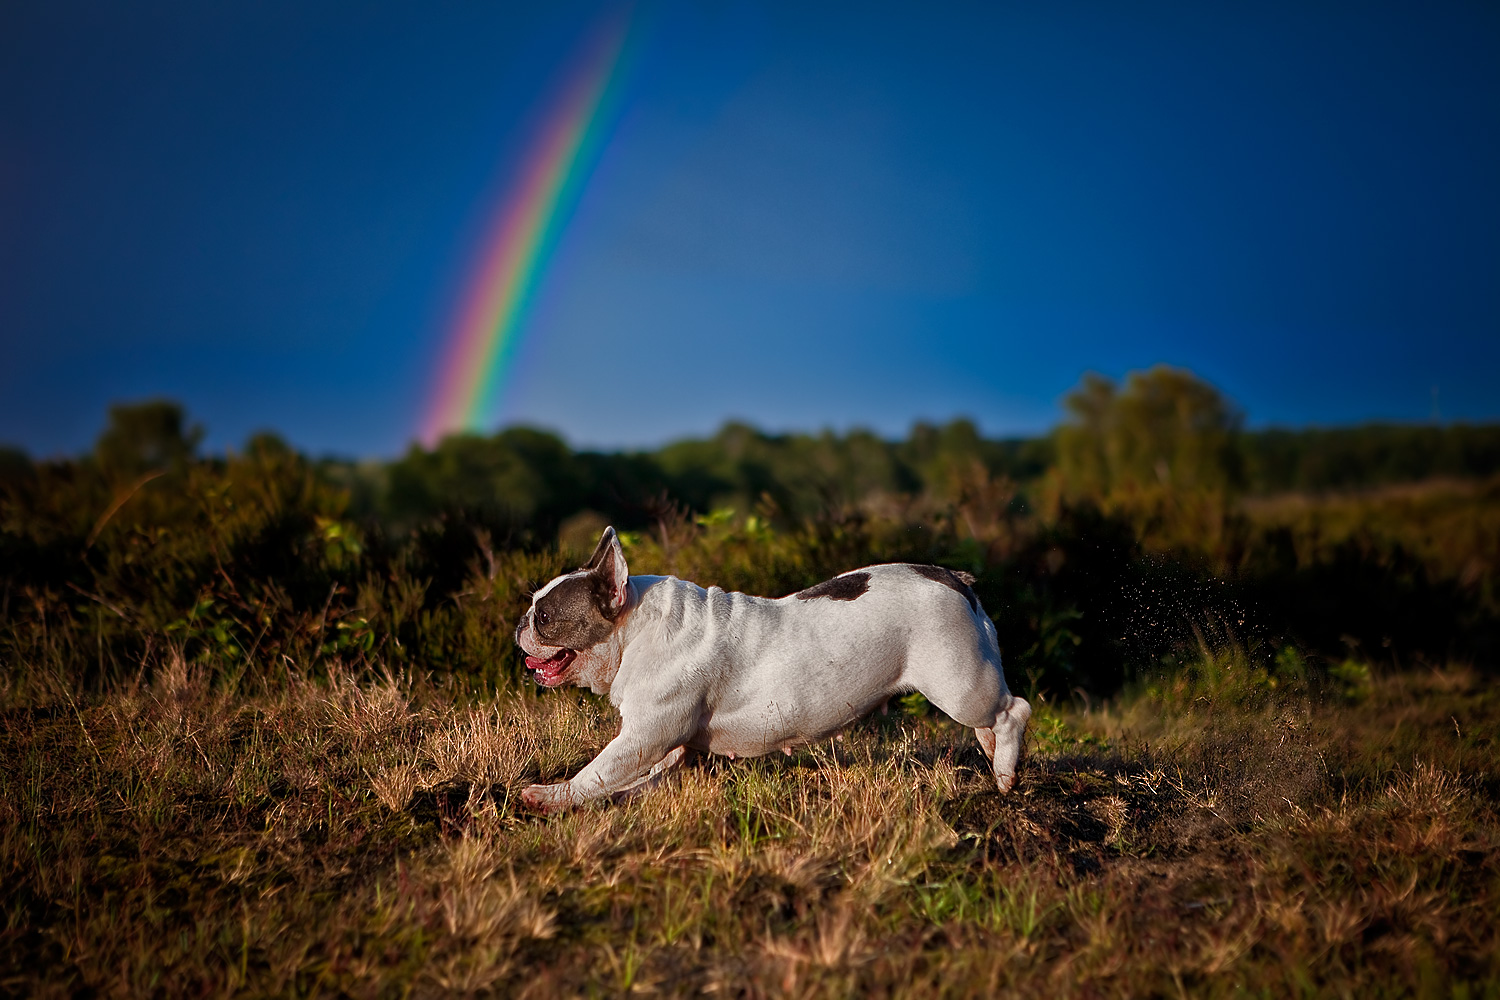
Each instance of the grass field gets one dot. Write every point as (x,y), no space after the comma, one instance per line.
(1210,836)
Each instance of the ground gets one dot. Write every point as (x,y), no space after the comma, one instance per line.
(363,836)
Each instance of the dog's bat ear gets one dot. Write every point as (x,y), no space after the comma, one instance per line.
(601,551)
(608,562)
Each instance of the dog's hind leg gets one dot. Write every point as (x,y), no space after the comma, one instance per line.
(1003,742)
(968,685)
(966,681)
(1003,738)
(987,742)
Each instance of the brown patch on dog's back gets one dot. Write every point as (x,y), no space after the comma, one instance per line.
(841,588)
(956,579)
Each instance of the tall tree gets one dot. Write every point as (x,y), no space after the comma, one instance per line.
(1165,428)
(146,437)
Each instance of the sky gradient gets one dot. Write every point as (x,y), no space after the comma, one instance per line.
(807,216)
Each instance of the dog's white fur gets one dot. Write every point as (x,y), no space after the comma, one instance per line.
(740,675)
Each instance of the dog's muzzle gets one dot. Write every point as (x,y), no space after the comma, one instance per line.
(549,672)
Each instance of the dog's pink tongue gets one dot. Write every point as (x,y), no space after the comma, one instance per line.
(554,664)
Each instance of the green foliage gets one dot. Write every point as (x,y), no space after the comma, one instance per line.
(1054,732)
(518,477)
(1165,429)
(254,560)
(528,482)
(1223,671)
(251,563)
(1344,458)
(1352,679)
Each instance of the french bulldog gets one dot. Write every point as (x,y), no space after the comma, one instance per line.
(738,675)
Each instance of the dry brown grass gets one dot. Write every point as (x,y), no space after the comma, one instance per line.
(361,837)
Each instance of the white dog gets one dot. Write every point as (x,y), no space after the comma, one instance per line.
(741,675)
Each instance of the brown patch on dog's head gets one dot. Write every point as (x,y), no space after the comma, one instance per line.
(848,587)
(580,610)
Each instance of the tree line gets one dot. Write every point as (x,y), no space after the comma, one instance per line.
(1161,428)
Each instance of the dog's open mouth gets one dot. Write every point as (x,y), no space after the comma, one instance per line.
(549,672)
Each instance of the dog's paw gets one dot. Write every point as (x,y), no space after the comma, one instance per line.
(547,798)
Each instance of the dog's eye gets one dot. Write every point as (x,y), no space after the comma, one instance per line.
(541,617)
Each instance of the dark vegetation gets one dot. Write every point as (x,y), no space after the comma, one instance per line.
(261,721)
(1099,550)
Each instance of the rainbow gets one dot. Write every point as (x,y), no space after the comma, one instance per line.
(522,235)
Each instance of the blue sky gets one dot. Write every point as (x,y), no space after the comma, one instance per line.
(809,215)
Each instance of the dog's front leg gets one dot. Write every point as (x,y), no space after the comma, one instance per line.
(626,761)
(654,777)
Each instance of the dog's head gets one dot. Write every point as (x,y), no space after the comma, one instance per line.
(575,613)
